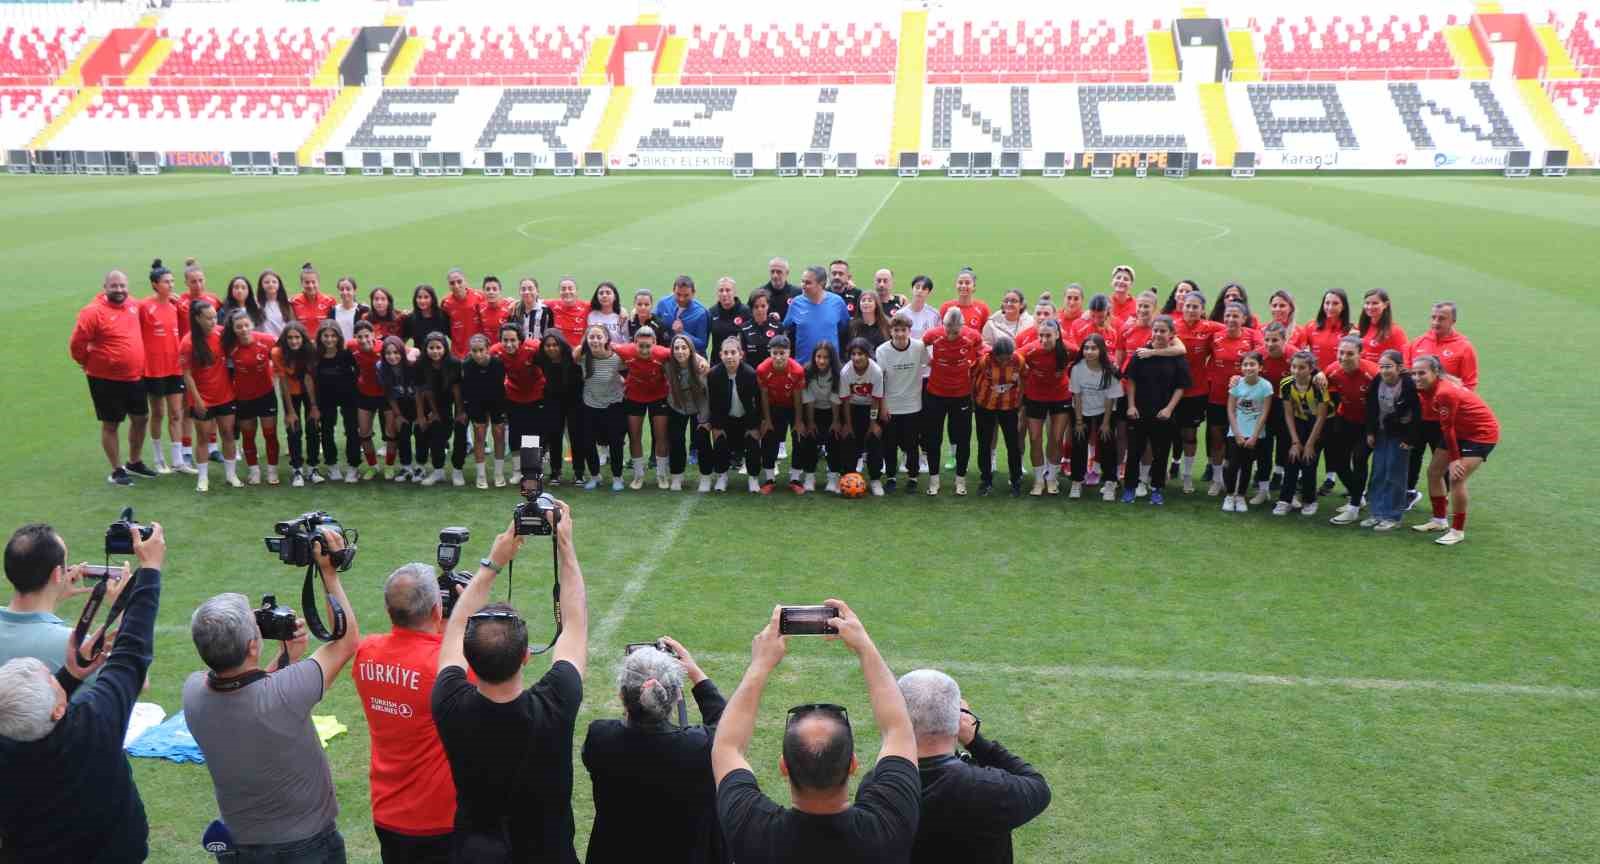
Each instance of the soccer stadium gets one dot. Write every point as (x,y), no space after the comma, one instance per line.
(1128,373)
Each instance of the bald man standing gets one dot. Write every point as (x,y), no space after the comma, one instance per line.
(108,344)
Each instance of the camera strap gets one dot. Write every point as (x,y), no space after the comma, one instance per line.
(555,597)
(308,602)
(92,608)
(237,682)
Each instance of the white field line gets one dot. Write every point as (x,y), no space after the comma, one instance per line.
(862,232)
(1223,232)
(731,661)
(523,228)
(601,634)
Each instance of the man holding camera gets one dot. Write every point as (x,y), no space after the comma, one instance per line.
(818,758)
(271,778)
(510,748)
(970,805)
(68,793)
(36,565)
(413,796)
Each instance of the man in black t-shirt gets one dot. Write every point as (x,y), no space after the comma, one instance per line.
(510,749)
(778,288)
(818,758)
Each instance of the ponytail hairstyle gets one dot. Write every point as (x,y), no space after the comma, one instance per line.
(200,349)
(158,271)
(230,340)
(1003,349)
(1062,357)
(298,362)
(1384,321)
(650,682)
(283,295)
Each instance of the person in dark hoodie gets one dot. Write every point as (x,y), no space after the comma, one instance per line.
(1394,429)
(728,316)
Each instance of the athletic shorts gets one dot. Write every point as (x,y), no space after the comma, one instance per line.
(227,409)
(1191,411)
(1036,410)
(168,386)
(1432,435)
(1476,448)
(657,408)
(1217,415)
(371,403)
(115,401)
(252,409)
(486,411)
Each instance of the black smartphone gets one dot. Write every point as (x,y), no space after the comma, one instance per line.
(98,572)
(806,620)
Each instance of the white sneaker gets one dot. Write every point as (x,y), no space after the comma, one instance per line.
(255,475)
(1038,487)
(1215,488)
(499,476)
(1260,497)
(811,483)
(333,474)
(1296,503)
(1239,506)
(833,483)
(663,482)
(1188,486)
(677,483)
(1281,508)
(433,477)
(162,468)
(705,483)
(933,485)
(272,475)
(516,478)
(298,480)
(1451,537)
(351,476)
(1386,525)
(753,485)
(402,475)
(1309,509)
(1076,491)
(203,483)
(1227,503)
(961,485)
(877,488)
(1142,490)
(1345,515)
(1108,491)
(1052,486)
(1434,524)
(483,477)
(722,483)
(637,482)
(186,468)
(1370,522)
(457,477)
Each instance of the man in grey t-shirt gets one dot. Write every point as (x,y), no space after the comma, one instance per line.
(271,778)
(36,566)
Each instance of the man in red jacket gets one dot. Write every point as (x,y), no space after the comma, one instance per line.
(108,344)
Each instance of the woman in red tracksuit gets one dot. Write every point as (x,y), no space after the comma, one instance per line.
(1321,337)
(210,388)
(1227,350)
(1047,402)
(953,351)
(1378,331)
(1196,333)
(163,378)
(1470,432)
(644,393)
(250,355)
(370,401)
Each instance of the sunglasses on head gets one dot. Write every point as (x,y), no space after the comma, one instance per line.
(494,615)
(799,712)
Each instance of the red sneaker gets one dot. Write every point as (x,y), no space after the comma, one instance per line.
(794,486)
(767,487)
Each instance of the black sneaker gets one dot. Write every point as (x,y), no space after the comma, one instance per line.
(120,477)
(1016,488)
(889,486)
(1276,482)
(1207,475)
(911,486)
(985,487)
(1326,488)
(140,469)
(1412,497)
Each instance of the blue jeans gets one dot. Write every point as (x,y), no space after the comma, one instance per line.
(324,848)
(1386,494)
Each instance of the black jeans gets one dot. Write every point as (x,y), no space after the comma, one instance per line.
(339,409)
(1105,450)
(525,418)
(447,431)
(407,849)
(407,433)
(1159,435)
(603,427)
(1303,472)
(1236,474)
(954,413)
(561,415)
(903,434)
(324,848)
(988,421)
(735,441)
(303,438)
(1349,455)
(1433,438)
(782,419)
(809,448)
(1272,448)
(862,441)
(699,442)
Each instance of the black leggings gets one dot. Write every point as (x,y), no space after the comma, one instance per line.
(606,427)
(988,421)
(677,453)
(338,409)
(782,419)
(1236,474)
(447,431)
(525,418)
(1349,455)
(1159,435)
(407,432)
(1105,450)
(299,407)
(1431,437)
(903,434)
(1272,448)
(735,441)
(1303,473)
(862,441)
(954,412)
(809,448)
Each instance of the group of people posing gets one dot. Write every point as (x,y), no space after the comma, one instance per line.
(1105,387)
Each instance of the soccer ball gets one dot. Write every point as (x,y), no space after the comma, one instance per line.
(852,486)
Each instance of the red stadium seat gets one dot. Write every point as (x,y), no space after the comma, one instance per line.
(209,103)
(778,51)
(504,52)
(38,56)
(207,54)
(1359,45)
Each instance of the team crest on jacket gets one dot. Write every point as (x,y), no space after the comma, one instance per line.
(738,320)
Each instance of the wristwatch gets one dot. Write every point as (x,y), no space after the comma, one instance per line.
(492,567)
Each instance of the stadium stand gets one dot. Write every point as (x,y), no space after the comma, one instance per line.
(35,56)
(1353,48)
(793,52)
(1578,104)
(472,119)
(24,111)
(1494,128)
(1581,36)
(507,56)
(1041,51)
(153,118)
(265,43)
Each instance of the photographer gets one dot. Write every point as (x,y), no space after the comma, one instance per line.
(36,565)
(970,805)
(69,793)
(413,797)
(652,778)
(268,770)
(818,759)
(511,748)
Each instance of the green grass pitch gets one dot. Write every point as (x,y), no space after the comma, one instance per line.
(1196,686)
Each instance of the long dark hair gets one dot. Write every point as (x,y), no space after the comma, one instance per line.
(616,298)
(200,349)
(1383,321)
(1171,306)
(298,362)
(328,325)
(434,309)
(1108,369)
(1062,356)
(1221,305)
(566,363)
(833,365)
(230,340)
(284,308)
(249,306)
(1344,315)
(696,388)
(372,308)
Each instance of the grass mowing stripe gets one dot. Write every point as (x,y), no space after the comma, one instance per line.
(600,636)
(862,231)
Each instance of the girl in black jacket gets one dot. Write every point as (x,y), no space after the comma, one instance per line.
(1394,414)
(735,415)
(563,388)
(335,370)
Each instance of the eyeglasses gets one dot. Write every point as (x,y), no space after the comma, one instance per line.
(799,712)
(976,723)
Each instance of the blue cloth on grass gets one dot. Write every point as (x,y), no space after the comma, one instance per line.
(171,740)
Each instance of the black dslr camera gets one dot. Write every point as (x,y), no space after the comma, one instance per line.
(119,534)
(276,623)
(298,537)
(538,514)
(449,556)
